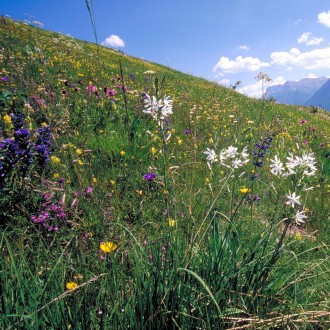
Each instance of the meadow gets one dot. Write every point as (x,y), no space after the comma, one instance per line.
(136,196)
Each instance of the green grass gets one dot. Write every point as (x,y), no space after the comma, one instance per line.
(202,245)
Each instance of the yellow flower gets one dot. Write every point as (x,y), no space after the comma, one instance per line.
(171,222)
(180,142)
(94,180)
(153,150)
(122,153)
(71,285)
(7,119)
(56,175)
(80,75)
(207,180)
(299,236)
(80,162)
(108,247)
(79,152)
(244,190)
(55,160)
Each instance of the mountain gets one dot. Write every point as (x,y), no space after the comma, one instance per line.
(321,98)
(296,92)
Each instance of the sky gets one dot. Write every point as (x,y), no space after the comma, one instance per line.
(220,40)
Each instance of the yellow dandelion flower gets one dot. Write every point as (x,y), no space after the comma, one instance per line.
(80,162)
(55,160)
(56,175)
(108,247)
(122,153)
(80,75)
(171,222)
(180,142)
(94,180)
(71,285)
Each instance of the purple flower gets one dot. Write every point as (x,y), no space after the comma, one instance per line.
(4,78)
(89,190)
(149,176)
(187,131)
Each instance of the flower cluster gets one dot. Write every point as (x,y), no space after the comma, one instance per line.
(50,214)
(19,152)
(158,109)
(261,148)
(229,157)
(305,164)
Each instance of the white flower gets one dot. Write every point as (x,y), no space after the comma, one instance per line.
(299,217)
(158,109)
(293,199)
(211,156)
(231,152)
(277,167)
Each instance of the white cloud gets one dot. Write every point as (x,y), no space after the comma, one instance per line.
(244,47)
(240,64)
(324,18)
(314,59)
(308,39)
(113,41)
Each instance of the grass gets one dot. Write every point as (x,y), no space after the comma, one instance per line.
(194,243)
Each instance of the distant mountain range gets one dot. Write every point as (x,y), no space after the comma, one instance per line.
(308,91)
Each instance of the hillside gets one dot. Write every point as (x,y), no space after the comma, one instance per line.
(136,196)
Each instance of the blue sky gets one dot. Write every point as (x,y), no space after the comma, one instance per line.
(223,41)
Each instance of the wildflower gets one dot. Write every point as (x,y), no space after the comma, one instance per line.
(180,142)
(55,160)
(299,236)
(79,152)
(108,247)
(158,109)
(149,176)
(171,222)
(7,119)
(303,121)
(244,190)
(71,285)
(276,166)
(211,156)
(122,153)
(293,199)
(299,217)
(153,150)
(89,190)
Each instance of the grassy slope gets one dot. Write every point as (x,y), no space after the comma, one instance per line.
(108,144)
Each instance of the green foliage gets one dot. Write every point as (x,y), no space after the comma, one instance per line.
(195,242)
